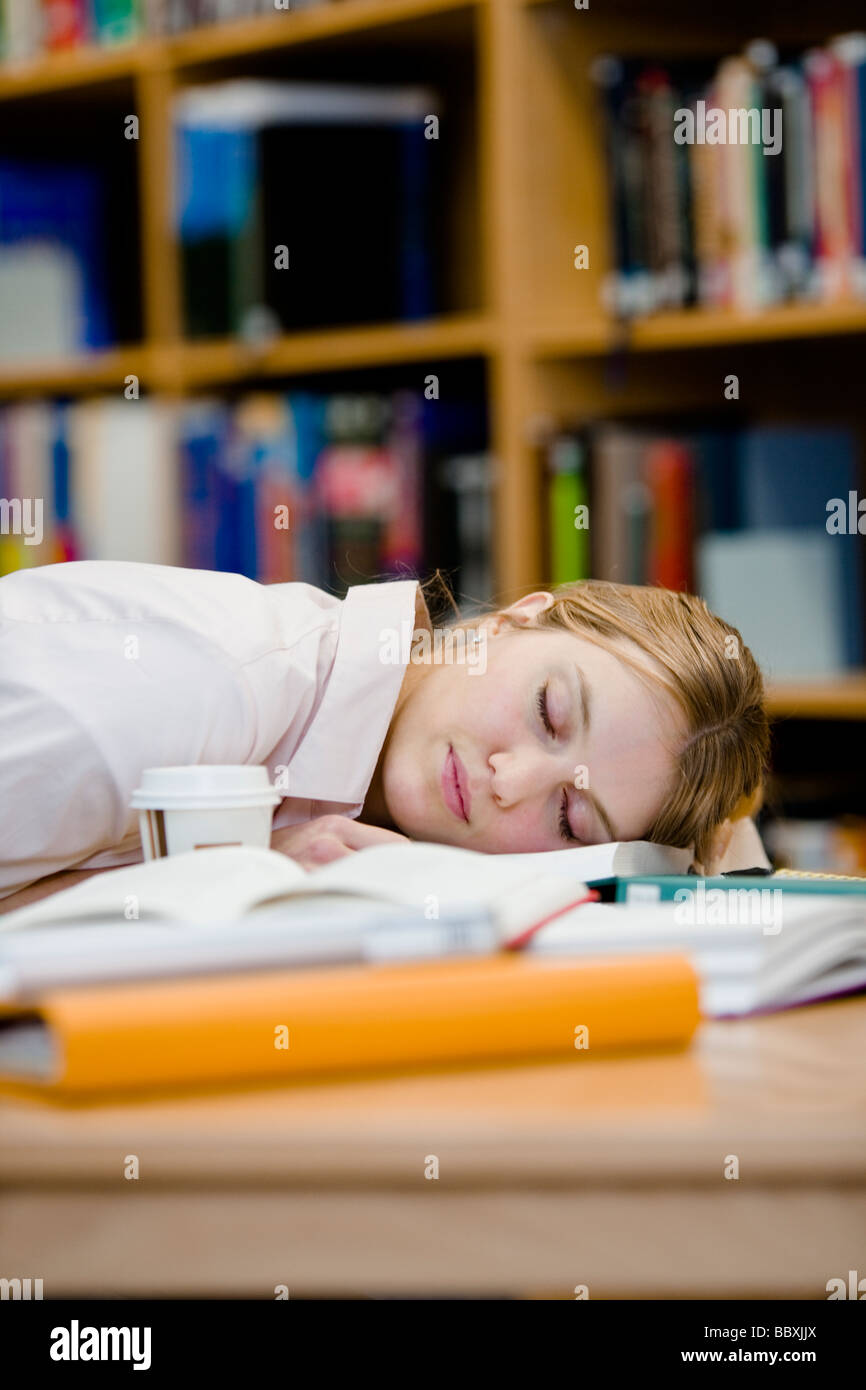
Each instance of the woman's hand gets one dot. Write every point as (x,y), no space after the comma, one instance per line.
(317,842)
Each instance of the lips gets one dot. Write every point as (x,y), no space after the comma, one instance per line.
(455,786)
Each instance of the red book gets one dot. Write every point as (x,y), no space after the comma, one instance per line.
(277,520)
(64,23)
(669,478)
(830,99)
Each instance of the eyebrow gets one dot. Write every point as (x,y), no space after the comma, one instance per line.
(584,696)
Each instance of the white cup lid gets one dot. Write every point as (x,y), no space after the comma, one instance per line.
(204,785)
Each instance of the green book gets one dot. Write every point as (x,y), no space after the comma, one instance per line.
(116,21)
(568,512)
(656,888)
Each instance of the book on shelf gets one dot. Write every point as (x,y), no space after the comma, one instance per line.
(263,231)
(53,252)
(128,512)
(21,30)
(568,509)
(620,505)
(116,21)
(745,517)
(331,489)
(65,23)
(740,184)
(783,591)
(466,481)
(31,27)
(61,459)
(320,489)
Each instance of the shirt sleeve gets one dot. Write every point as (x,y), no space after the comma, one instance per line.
(57,798)
(85,705)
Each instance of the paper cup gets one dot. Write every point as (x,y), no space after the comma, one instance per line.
(186,808)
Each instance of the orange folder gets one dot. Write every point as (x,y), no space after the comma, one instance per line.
(344,1019)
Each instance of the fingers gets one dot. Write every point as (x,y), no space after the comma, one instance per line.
(323,849)
(327,838)
(359,836)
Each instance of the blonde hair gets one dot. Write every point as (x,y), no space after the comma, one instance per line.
(704,665)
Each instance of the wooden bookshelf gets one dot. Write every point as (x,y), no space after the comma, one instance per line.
(211,363)
(692,328)
(217,362)
(94,371)
(842,698)
(81,67)
(92,64)
(328,21)
(536,323)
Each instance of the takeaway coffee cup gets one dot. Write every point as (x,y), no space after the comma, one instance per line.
(185,808)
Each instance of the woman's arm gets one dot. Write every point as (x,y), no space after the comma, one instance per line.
(44,887)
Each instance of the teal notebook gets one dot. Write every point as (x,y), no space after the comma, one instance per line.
(650,888)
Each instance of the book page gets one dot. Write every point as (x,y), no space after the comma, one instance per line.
(207,885)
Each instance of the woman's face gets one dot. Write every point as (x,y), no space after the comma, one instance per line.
(558,743)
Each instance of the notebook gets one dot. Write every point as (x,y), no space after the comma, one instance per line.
(653,888)
(284,1025)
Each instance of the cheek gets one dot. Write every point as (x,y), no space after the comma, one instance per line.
(406,761)
(522,831)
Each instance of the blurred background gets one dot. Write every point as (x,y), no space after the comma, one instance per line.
(359,288)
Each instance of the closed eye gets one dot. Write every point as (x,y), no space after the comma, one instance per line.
(565,829)
(542,710)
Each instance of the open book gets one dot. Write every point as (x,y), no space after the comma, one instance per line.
(239,908)
(224,884)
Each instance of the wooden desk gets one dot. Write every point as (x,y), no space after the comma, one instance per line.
(607,1172)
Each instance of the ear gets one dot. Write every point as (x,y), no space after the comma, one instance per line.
(520,614)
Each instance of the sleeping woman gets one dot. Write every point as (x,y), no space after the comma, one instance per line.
(596,712)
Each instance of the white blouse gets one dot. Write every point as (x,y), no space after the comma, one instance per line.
(108,667)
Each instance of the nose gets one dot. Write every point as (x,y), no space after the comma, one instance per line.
(521,773)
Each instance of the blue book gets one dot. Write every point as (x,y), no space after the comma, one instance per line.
(42,202)
(307,411)
(860,90)
(245,519)
(718,481)
(417,281)
(60,461)
(226,548)
(217,176)
(203,432)
(788,475)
